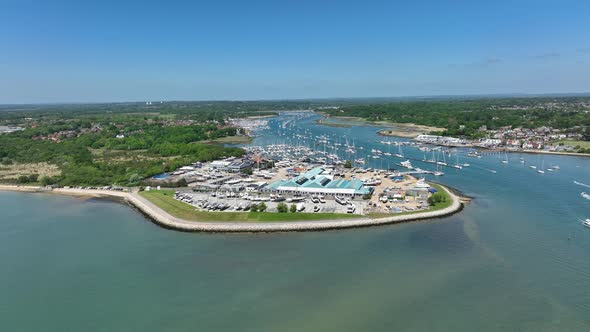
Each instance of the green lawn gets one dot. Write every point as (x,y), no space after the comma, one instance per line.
(165,200)
(581,144)
(230,140)
(438,206)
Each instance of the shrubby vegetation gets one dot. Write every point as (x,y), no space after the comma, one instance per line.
(282,208)
(85,145)
(436,198)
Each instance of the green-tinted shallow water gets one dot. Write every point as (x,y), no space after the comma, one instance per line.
(516,259)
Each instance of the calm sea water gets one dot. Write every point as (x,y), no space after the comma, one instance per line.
(516,259)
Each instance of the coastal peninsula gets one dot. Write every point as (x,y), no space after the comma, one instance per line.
(160,216)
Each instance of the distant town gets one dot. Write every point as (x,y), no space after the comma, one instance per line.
(517,139)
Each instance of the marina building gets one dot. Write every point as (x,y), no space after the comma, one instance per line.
(318,181)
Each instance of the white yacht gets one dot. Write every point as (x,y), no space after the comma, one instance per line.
(586,222)
(585,195)
(407,164)
(371,182)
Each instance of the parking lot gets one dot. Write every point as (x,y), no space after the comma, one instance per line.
(237,200)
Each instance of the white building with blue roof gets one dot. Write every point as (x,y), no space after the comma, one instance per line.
(315,181)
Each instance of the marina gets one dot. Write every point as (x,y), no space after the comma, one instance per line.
(489,252)
(295,166)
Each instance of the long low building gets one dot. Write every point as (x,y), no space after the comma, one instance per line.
(315,181)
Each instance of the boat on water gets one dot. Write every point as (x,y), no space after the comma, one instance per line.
(407,164)
(540,170)
(400,153)
(586,222)
(505,160)
(585,195)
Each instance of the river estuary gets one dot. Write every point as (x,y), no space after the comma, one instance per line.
(516,259)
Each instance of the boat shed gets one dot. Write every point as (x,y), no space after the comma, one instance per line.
(316,182)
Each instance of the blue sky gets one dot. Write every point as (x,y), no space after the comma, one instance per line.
(93,51)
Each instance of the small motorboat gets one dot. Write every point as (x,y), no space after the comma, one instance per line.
(586,222)
(585,195)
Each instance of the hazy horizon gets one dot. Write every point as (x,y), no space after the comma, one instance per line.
(385,98)
(70,52)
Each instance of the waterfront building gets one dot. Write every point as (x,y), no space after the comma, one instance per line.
(318,181)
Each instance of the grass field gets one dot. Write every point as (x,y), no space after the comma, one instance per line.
(165,200)
(438,206)
(11,172)
(582,144)
(229,140)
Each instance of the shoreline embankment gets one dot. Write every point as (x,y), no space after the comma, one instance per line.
(164,219)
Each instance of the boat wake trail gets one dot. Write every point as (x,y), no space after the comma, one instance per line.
(581,184)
